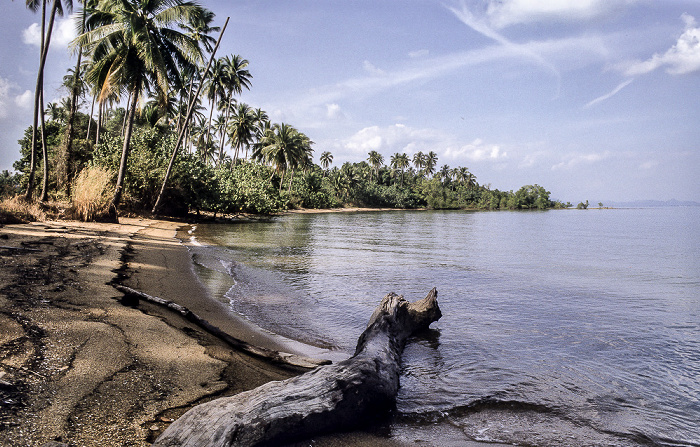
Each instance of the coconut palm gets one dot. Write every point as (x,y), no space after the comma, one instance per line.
(326,160)
(215,87)
(376,160)
(242,129)
(74,81)
(430,161)
(419,161)
(285,148)
(236,77)
(135,46)
(399,162)
(56,8)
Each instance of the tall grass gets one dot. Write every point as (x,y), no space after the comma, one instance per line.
(17,210)
(91,193)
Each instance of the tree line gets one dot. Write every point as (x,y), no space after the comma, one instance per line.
(147,71)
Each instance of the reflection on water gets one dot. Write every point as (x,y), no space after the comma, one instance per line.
(584,325)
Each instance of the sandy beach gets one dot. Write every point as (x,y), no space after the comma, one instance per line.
(79,367)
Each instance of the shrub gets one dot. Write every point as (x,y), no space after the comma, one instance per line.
(17,210)
(91,193)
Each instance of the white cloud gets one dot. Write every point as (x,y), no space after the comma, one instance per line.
(681,58)
(649,165)
(419,53)
(32,35)
(503,13)
(25,99)
(480,25)
(63,33)
(607,96)
(4,95)
(391,139)
(575,159)
(476,151)
(333,111)
(371,69)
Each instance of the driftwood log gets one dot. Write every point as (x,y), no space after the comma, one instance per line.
(329,398)
(131,296)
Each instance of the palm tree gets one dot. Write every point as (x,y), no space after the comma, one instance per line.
(285,148)
(419,161)
(76,85)
(399,162)
(471,181)
(215,88)
(262,124)
(326,160)
(135,45)
(242,129)
(376,160)
(445,173)
(236,76)
(430,162)
(56,8)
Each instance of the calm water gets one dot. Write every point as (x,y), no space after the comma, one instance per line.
(559,328)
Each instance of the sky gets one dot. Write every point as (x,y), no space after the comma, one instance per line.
(593,99)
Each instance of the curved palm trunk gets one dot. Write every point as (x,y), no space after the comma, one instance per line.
(92,110)
(37,93)
(44,153)
(211,115)
(66,174)
(228,114)
(125,155)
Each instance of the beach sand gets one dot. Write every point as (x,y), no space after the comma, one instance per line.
(78,366)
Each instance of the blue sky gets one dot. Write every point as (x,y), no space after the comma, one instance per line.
(594,99)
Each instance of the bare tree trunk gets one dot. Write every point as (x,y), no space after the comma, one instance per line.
(92,110)
(65,176)
(37,93)
(181,136)
(126,114)
(44,151)
(131,112)
(100,115)
(329,398)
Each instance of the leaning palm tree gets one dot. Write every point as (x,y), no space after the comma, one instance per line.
(134,44)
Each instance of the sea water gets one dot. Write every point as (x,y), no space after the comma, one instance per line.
(564,327)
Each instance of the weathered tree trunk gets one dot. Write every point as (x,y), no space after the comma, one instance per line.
(329,398)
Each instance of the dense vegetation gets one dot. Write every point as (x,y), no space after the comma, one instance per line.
(231,157)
